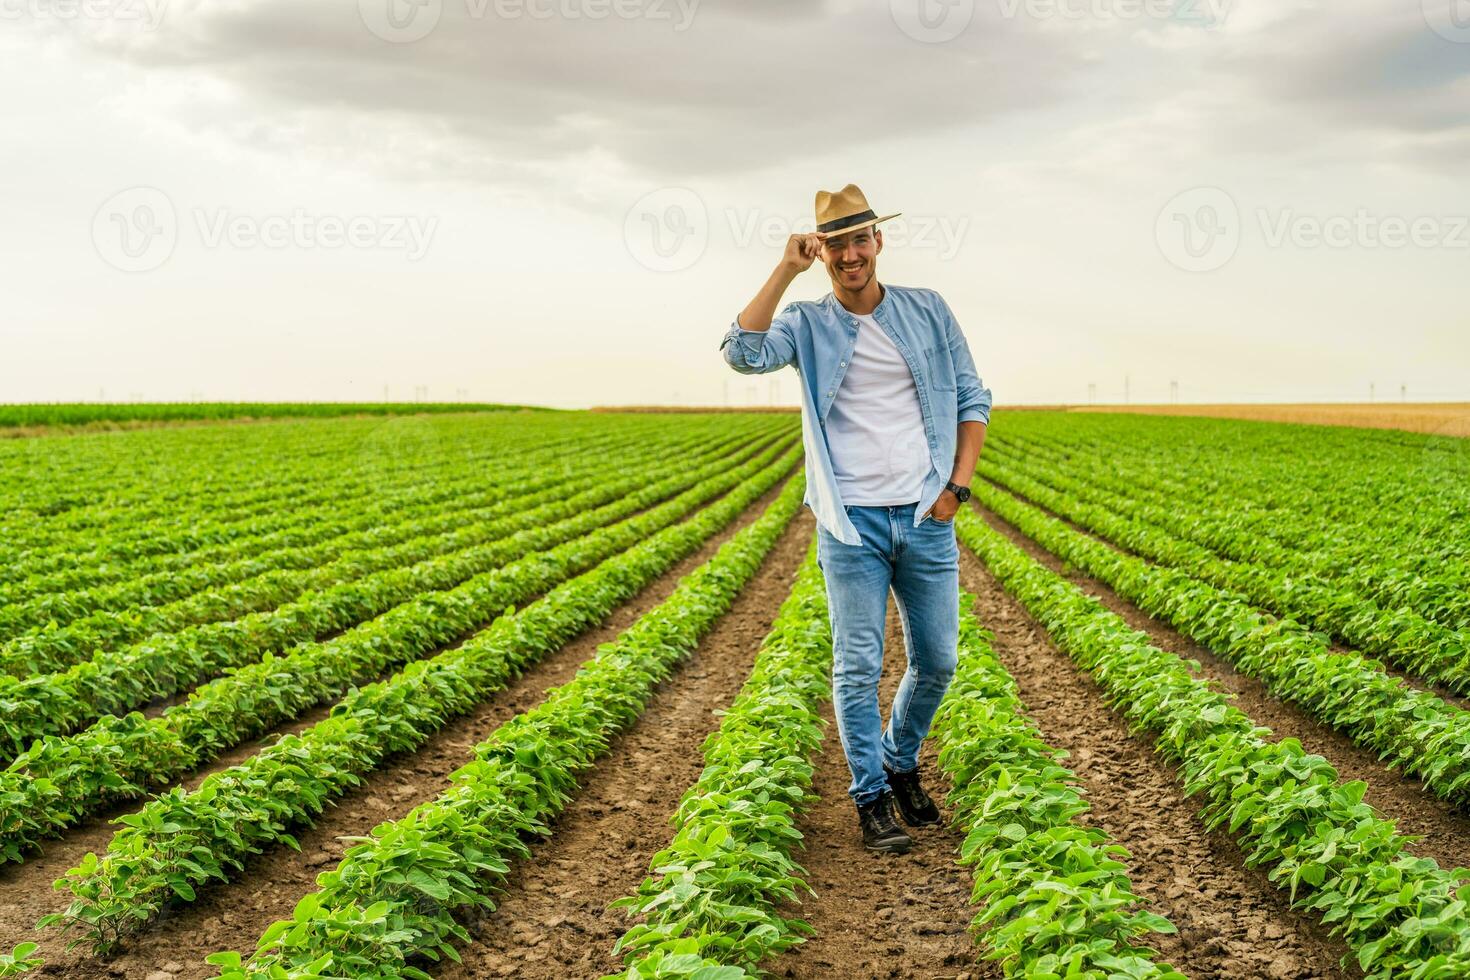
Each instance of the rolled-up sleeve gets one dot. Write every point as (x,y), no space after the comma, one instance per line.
(760,351)
(973,398)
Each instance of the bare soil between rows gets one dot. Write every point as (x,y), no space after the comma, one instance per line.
(553,920)
(232,915)
(880,915)
(1389,667)
(1233,922)
(1442,829)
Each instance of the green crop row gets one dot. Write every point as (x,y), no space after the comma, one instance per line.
(394,895)
(190,507)
(1411,729)
(181,840)
(51,631)
(1275,581)
(1403,916)
(1055,896)
(84,413)
(318,537)
(58,780)
(378,463)
(1414,483)
(1346,559)
(115,682)
(1272,493)
(710,903)
(388,469)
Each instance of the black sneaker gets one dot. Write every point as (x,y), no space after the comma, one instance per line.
(914,805)
(880,831)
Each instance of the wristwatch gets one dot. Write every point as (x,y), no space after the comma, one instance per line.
(961,492)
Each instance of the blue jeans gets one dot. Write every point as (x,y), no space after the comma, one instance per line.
(921,567)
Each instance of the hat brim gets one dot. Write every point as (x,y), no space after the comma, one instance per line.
(858,227)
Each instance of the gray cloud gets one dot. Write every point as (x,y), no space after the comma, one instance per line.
(521,99)
(739,87)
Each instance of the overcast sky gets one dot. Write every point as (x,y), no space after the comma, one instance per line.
(566,201)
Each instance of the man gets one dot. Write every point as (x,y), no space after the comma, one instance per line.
(893,419)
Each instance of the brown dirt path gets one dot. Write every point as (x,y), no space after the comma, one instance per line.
(1442,828)
(553,921)
(1233,922)
(880,915)
(233,915)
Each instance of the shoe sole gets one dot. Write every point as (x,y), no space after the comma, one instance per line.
(894,848)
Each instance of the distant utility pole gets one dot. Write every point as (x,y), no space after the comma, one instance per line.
(385,392)
(1403,392)
(1092,393)
(1174,392)
(1127,385)
(1371,395)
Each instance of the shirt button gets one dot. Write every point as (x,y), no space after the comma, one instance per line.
(842,364)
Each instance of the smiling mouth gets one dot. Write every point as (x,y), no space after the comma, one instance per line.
(850,270)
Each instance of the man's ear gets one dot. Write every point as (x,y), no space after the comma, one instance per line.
(878,240)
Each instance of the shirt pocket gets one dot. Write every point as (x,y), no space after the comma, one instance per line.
(941,368)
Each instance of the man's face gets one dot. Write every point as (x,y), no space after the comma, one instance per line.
(852,259)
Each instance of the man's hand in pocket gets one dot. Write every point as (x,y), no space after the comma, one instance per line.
(945,507)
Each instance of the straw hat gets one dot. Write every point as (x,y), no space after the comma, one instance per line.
(845,211)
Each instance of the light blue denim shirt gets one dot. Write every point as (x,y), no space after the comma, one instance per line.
(817,338)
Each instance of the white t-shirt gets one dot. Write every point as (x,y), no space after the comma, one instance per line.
(875,428)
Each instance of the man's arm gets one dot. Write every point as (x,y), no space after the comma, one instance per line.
(969,440)
(973,402)
(758,347)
